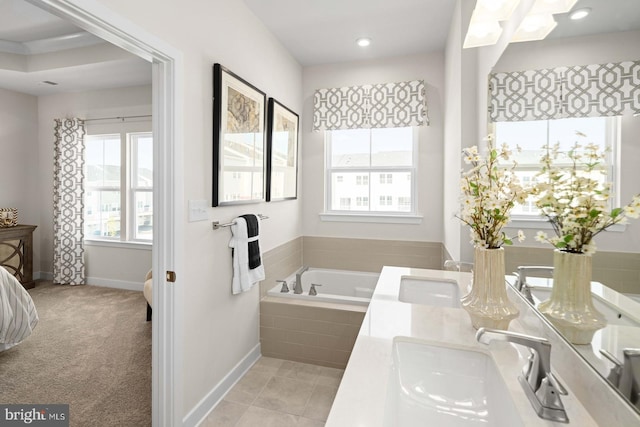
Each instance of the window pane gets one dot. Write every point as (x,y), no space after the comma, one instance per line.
(392,195)
(144,215)
(349,186)
(530,136)
(143,147)
(392,147)
(102,214)
(350,148)
(564,131)
(102,161)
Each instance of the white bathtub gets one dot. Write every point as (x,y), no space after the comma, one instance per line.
(338,286)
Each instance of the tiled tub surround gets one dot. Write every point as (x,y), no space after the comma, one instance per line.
(280,262)
(387,318)
(309,331)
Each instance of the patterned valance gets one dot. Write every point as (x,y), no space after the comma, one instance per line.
(595,90)
(383,105)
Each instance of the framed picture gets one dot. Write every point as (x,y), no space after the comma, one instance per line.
(238,140)
(8,217)
(282,152)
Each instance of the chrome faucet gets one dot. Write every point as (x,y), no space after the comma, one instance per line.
(625,376)
(297,287)
(521,283)
(284,288)
(313,291)
(540,385)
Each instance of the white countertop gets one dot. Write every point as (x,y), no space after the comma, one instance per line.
(361,398)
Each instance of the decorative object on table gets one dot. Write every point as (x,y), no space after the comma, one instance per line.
(490,190)
(282,152)
(8,217)
(238,139)
(573,193)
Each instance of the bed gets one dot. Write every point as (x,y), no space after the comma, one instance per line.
(18,315)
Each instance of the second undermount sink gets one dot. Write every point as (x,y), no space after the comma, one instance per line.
(435,292)
(433,385)
(613,315)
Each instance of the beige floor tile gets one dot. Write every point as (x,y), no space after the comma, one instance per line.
(285,394)
(299,371)
(308,422)
(329,376)
(260,417)
(248,388)
(226,414)
(320,402)
(267,365)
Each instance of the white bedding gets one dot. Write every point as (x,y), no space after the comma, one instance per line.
(18,315)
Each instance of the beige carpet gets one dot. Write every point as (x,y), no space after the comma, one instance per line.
(91,349)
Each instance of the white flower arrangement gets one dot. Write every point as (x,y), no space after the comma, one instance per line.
(574,200)
(489,192)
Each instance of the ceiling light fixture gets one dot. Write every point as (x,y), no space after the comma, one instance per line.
(552,6)
(534,27)
(579,13)
(363,41)
(482,34)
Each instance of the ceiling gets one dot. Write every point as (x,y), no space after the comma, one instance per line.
(325,31)
(314,31)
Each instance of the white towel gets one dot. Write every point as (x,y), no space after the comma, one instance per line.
(244,278)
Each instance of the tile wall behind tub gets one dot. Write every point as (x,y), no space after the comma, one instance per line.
(370,254)
(280,263)
(618,270)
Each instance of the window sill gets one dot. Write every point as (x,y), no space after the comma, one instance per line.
(543,224)
(143,246)
(373,218)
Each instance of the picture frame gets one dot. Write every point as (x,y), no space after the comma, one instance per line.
(239,140)
(8,217)
(283,126)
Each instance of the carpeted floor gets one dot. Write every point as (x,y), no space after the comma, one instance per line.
(91,349)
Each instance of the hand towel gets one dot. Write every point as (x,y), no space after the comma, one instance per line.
(245,277)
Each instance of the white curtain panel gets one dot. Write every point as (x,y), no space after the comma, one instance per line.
(595,90)
(384,105)
(68,202)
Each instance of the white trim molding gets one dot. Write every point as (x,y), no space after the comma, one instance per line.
(383,219)
(115,284)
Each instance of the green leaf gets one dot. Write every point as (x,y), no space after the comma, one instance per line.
(494,154)
(508,241)
(594,213)
(561,245)
(615,212)
(568,238)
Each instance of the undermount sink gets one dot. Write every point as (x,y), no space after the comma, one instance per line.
(435,292)
(446,386)
(613,315)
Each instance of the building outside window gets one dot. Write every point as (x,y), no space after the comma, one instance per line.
(119,186)
(355,155)
(532,135)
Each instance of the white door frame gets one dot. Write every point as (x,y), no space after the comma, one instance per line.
(168,198)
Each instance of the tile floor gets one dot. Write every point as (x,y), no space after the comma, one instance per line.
(278,393)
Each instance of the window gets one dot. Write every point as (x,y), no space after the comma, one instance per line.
(345,203)
(532,135)
(119,186)
(369,165)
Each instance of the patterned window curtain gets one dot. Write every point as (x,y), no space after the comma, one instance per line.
(596,90)
(383,105)
(68,202)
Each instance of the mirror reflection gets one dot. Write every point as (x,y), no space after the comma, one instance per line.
(609,34)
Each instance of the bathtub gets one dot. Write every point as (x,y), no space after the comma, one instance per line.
(338,286)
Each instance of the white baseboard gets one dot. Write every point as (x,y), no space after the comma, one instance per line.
(117,284)
(209,402)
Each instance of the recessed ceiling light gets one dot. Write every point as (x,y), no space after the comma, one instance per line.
(579,13)
(363,41)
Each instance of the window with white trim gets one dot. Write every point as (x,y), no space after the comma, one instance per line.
(377,167)
(531,136)
(119,186)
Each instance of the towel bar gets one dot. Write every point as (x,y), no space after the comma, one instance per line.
(216,224)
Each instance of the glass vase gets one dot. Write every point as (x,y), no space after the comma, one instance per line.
(570,308)
(487,303)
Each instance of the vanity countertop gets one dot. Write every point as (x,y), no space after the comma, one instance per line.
(362,395)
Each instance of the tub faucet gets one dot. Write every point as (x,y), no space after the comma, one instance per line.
(284,288)
(625,376)
(540,385)
(297,287)
(521,283)
(313,291)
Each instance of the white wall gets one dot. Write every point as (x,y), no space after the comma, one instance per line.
(597,49)
(19,159)
(132,264)
(429,67)
(219,328)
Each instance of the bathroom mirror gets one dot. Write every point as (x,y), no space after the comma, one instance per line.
(610,34)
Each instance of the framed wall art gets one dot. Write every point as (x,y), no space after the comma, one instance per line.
(282,152)
(8,217)
(238,139)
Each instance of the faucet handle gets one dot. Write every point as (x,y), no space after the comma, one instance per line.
(285,288)
(313,290)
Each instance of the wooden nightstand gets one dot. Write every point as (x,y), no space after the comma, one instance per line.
(16,252)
